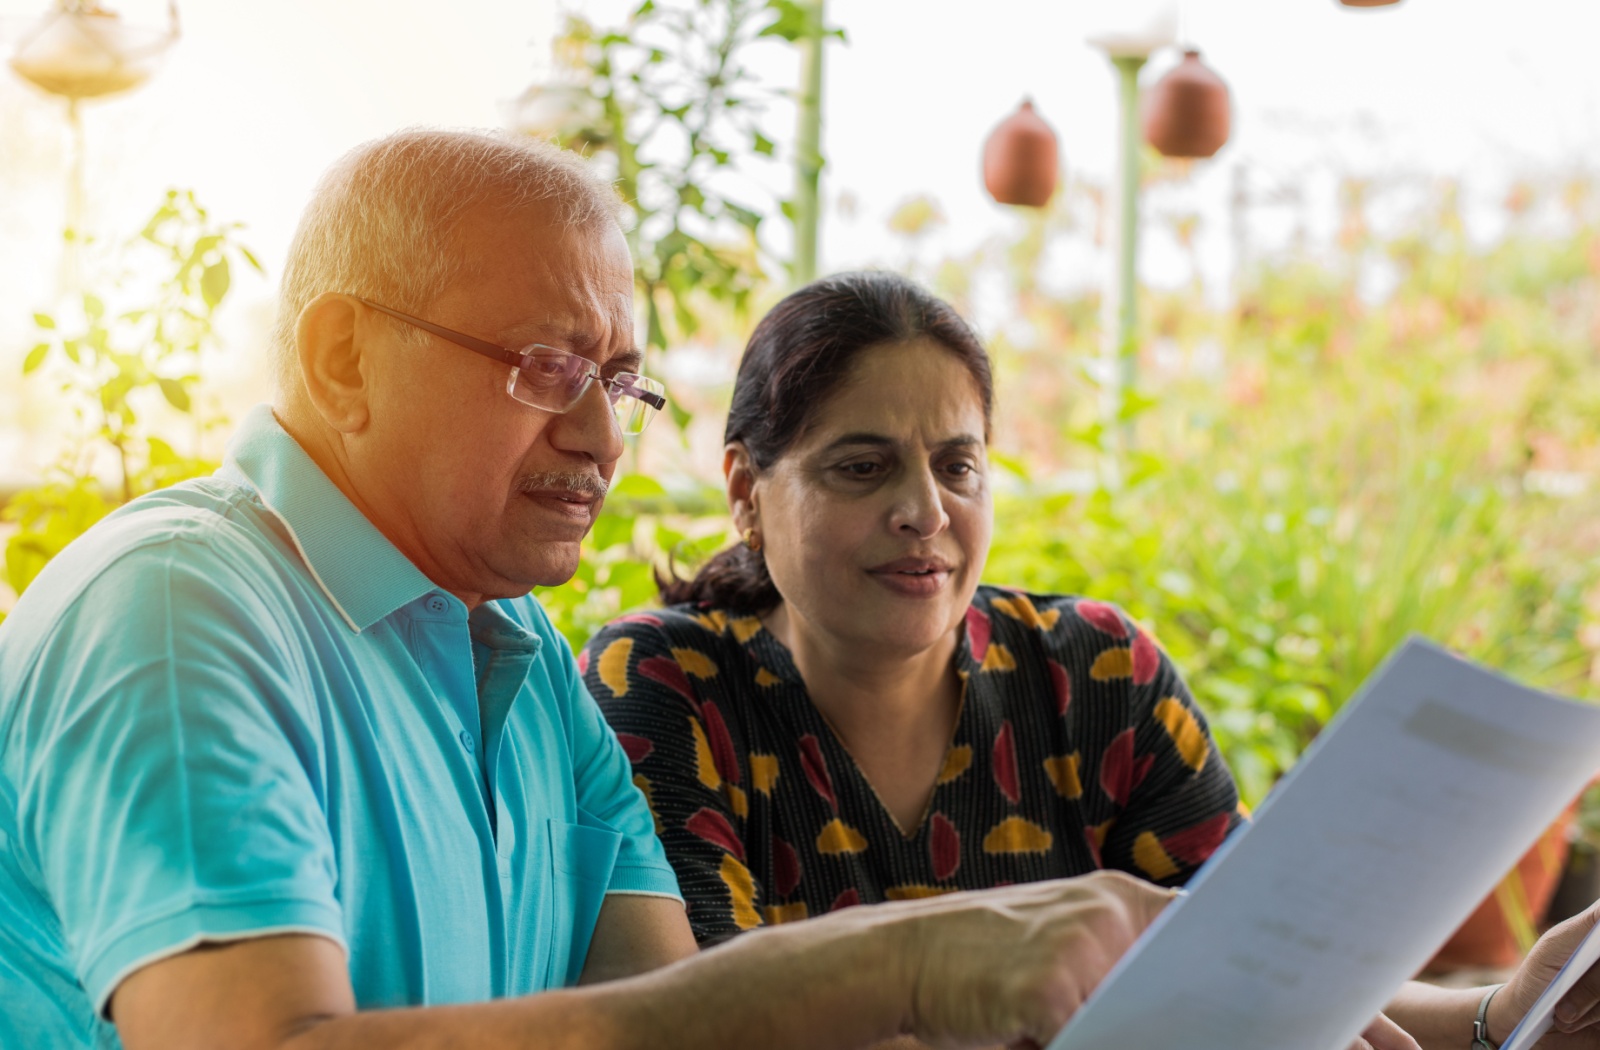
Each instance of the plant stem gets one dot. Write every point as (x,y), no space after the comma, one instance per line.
(808,148)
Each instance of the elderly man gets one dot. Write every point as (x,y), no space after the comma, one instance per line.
(289,757)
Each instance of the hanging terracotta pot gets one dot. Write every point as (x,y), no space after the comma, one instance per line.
(1021,159)
(1187,112)
(1368,3)
(83,50)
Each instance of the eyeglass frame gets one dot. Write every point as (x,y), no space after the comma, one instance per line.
(520,360)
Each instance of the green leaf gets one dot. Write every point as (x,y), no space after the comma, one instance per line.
(175,394)
(94,307)
(35,358)
(792,22)
(761,144)
(250,258)
(44,320)
(214,281)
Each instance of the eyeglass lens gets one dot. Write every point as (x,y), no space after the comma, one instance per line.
(556,382)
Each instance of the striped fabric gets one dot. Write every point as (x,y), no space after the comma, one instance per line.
(1077,747)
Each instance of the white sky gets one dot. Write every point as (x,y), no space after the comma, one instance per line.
(258,98)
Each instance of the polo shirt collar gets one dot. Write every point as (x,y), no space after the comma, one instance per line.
(361,572)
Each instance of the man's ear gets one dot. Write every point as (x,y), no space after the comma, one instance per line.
(329,349)
(739,471)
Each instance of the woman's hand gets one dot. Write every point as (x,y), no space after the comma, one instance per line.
(1577,1016)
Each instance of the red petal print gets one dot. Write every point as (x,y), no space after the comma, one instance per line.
(668,673)
(1194,845)
(816,769)
(637,748)
(653,621)
(1103,617)
(722,753)
(785,867)
(1005,764)
(1094,847)
(1146,659)
(1120,771)
(583,662)
(848,899)
(1063,686)
(944,847)
(715,829)
(978,632)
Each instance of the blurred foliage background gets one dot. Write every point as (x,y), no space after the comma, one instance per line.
(1394,433)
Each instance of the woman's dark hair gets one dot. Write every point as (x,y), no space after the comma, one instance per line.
(799,353)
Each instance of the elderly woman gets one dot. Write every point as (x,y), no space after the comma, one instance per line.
(835,711)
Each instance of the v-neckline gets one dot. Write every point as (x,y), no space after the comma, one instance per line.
(789,671)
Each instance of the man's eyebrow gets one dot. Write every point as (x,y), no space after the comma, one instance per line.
(626,361)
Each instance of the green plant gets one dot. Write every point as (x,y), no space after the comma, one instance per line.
(121,352)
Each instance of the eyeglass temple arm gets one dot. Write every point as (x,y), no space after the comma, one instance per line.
(479,346)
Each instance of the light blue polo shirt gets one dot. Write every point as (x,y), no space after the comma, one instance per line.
(233,708)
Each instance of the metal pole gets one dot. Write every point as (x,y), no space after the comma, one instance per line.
(808,148)
(1121,304)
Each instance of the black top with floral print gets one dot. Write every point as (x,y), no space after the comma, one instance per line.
(1077,747)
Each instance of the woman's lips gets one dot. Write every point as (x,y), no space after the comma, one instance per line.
(575,506)
(912,577)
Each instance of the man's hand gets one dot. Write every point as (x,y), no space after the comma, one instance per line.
(1384,1034)
(1013,965)
(1577,1017)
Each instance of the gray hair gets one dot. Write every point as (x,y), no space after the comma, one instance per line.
(381,221)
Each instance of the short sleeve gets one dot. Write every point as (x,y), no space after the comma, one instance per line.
(1181,800)
(162,768)
(680,750)
(607,791)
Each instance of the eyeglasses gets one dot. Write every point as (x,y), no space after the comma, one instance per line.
(555,380)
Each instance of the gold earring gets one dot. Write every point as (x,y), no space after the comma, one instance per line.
(752,540)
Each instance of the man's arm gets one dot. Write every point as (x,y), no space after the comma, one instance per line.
(634,934)
(968,969)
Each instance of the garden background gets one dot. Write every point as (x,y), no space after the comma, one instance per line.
(1366,347)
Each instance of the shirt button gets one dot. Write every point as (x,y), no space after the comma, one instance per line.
(437,604)
(466,740)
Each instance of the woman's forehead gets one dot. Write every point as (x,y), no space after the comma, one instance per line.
(899,390)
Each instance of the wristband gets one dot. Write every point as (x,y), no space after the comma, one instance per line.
(1480,1027)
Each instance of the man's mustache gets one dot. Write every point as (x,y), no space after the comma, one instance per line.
(592,485)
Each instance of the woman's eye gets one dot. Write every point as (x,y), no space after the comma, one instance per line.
(962,469)
(860,470)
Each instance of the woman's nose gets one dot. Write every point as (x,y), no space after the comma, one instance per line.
(918,506)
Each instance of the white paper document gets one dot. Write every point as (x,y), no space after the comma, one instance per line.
(1401,816)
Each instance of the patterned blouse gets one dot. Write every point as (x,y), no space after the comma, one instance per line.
(1077,746)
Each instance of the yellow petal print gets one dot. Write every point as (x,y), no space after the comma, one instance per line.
(643,784)
(999,658)
(1100,831)
(745,627)
(1151,858)
(914,891)
(737,801)
(763,772)
(614,666)
(694,662)
(1020,608)
(780,913)
(714,621)
(1015,835)
(704,764)
(741,892)
(839,837)
(1185,731)
(765,678)
(1243,810)
(1113,663)
(956,763)
(1063,773)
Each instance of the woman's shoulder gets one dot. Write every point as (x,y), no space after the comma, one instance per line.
(674,625)
(1066,628)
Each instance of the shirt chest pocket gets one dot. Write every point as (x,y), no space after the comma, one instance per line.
(581,858)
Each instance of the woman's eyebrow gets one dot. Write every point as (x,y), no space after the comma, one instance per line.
(863,437)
